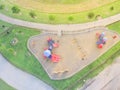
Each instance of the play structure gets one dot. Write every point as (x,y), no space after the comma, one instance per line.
(101,39)
(48,51)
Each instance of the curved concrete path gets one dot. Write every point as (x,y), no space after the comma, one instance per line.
(19,79)
(68,27)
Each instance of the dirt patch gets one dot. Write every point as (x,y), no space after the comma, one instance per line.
(76,51)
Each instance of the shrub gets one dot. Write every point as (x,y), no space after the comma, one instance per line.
(32,14)
(2,6)
(111,8)
(98,17)
(15,9)
(90,15)
(70,18)
(51,17)
(11,50)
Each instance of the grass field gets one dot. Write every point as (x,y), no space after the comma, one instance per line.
(61,6)
(115,27)
(61,1)
(5,86)
(19,56)
(2,28)
(62,18)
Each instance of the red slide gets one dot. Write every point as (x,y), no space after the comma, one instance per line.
(55,58)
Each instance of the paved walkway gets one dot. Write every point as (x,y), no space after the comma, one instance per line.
(68,27)
(108,79)
(19,79)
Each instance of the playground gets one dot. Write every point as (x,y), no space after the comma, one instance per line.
(74,51)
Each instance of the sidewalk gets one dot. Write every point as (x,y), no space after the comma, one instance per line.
(19,79)
(63,27)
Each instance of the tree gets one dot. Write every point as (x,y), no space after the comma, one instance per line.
(70,18)
(111,8)
(15,9)
(90,15)
(2,6)
(32,14)
(51,17)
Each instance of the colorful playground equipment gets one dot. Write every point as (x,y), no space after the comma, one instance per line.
(101,39)
(48,52)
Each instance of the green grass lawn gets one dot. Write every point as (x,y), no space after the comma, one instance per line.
(57,18)
(20,56)
(5,86)
(115,27)
(3,27)
(61,1)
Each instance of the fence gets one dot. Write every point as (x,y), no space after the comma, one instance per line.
(68,32)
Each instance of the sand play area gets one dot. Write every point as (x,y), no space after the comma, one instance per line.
(76,51)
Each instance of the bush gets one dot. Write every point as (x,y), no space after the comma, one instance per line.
(111,8)
(11,50)
(98,17)
(15,9)
(32,14)
(51,17)
(70,18)
(91,15)
(2,6)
